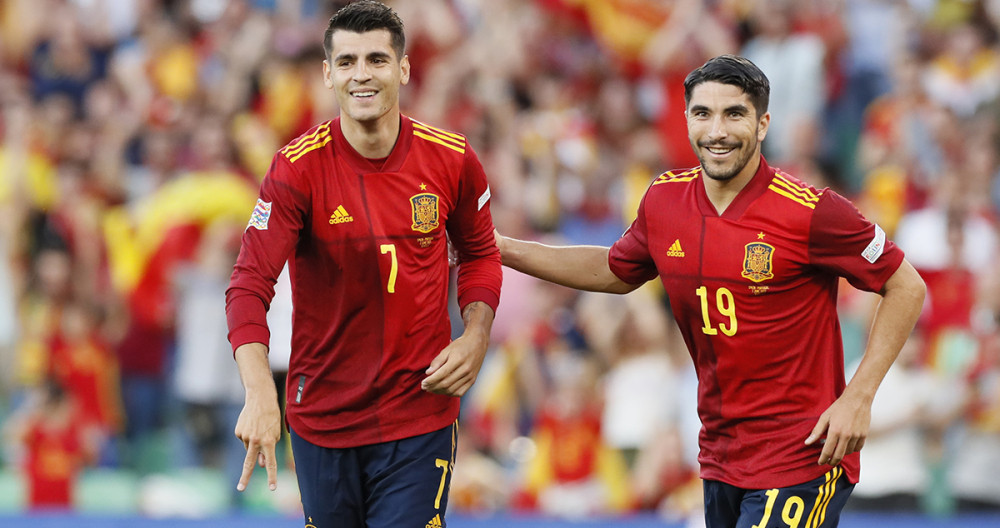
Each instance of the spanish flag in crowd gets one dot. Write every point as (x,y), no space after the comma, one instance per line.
(147,240)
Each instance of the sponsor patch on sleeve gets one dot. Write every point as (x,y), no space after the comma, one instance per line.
(260,215)
(875,247)
(484,198)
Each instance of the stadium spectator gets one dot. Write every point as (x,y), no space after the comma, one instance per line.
(56,444)
(896,477)
(794,63)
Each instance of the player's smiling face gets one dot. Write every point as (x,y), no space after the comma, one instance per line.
(365,74)
(725,130)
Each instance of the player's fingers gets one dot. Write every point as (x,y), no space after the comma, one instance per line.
(462,389)
(452,382)
(829,448)
(818,430)
(437,362)
(437,376)
(840,451)
(260,459)
(248,463)
(271,465)
(239,434)
(854,445)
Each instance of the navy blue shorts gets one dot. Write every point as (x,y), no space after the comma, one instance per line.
(399,484)
(815,504)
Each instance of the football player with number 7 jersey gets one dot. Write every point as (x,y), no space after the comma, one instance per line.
(363,207)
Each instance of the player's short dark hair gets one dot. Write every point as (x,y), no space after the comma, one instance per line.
(363,16)
(734,70)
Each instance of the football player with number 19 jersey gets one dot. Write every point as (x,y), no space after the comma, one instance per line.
(751,258)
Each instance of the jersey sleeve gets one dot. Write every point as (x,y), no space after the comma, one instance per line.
(470,229)
(268,240)
(629,258)
(845,243)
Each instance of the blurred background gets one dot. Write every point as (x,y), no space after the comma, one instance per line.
(135,133)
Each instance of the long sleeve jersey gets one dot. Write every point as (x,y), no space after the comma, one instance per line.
(367,247)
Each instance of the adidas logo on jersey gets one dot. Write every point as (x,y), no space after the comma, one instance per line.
(675,249)
(340,216)
(435,522)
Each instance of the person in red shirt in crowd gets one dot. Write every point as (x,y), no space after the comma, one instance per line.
(750,258)
(57,445)
(363,208)
(82,362)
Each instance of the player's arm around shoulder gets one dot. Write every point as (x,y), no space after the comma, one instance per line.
(579,267)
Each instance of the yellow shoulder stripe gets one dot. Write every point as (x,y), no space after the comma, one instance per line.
(292,148)
(784,192)
(798,190)
(307,149)
(438,140)
(686,176)
(437,131)
(443,138)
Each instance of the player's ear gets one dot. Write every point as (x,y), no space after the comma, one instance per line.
(327,74)
(765,121)
(404,66)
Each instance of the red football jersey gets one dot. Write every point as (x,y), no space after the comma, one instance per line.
(754,292)
(53,461)
(367,244)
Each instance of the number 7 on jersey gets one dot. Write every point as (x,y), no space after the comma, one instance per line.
(391,250)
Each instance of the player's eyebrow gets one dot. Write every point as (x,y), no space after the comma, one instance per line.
(739,108)
(352,56)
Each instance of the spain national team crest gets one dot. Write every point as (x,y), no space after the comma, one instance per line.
(757,261)
(425,212)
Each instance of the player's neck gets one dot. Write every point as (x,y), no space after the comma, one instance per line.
(372,139)
(722,193)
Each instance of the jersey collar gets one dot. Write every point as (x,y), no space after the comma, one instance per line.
(754,188)
(363,165)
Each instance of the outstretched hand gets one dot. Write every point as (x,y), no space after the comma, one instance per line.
(845,424)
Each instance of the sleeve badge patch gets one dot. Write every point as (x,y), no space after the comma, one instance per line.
(425,212)
(261,214)
(484,198)
(875,247)
(757,261)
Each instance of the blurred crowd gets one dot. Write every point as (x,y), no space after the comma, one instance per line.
(135,133)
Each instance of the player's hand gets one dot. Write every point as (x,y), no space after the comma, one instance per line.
(455,369)
(846,424)
(259,427)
